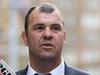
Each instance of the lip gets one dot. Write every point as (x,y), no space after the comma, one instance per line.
(47,46)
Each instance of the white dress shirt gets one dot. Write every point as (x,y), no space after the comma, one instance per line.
(57,71)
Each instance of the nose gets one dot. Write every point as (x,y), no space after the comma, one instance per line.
(47,34)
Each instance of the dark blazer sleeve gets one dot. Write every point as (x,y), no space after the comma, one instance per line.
(74,71)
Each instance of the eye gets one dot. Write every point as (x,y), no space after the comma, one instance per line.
(39,27)
(56,27)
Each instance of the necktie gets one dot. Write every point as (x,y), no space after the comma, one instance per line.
(42,74)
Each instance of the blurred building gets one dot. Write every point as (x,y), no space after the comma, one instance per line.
(82,20)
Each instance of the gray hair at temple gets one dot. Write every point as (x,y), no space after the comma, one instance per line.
(43,8)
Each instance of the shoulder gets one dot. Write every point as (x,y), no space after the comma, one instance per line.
(22,72)
(19,72)
(74,71)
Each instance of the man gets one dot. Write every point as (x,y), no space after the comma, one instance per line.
(45,35)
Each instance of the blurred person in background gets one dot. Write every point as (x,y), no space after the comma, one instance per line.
(45,36)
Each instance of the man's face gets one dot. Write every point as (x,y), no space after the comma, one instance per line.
(45,36)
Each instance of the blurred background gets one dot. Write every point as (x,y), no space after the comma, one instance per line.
(82,20)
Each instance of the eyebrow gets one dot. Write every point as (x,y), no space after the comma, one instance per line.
(55,24)
(40,24)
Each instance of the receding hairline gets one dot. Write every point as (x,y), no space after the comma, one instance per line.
(46,9)
(38,10)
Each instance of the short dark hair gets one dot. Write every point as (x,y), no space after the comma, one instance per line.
(27,17)
(45,8)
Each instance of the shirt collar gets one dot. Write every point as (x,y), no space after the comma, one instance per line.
(56,71)
(59,69)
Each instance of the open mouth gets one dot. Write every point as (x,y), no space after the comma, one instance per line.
(47,45)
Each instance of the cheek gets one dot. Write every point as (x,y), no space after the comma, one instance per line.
(33,39)
(59,44)
(59,40)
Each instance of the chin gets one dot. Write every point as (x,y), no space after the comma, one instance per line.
(47,57)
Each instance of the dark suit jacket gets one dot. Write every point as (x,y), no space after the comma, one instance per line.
(68,71)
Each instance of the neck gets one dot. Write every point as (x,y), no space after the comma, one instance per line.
(44,66)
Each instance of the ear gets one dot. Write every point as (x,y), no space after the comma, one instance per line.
(65,37)
(24,37)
